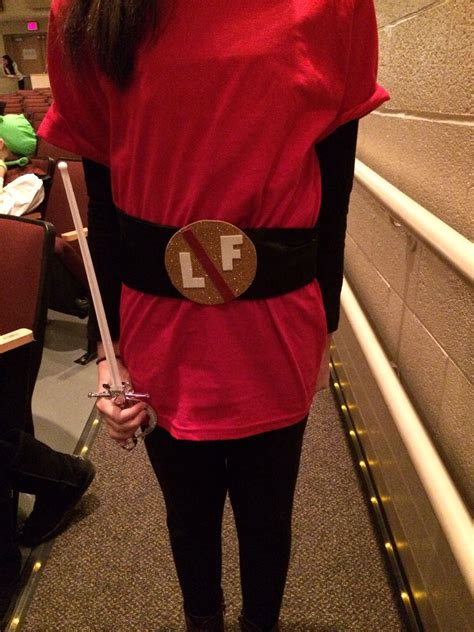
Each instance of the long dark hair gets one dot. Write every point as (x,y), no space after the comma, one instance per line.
(110,31)
(9,64)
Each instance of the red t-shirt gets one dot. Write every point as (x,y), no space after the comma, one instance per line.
(220,122)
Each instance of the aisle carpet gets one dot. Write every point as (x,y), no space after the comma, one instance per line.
(111,571)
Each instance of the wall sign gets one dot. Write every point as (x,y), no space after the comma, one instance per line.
(29,53)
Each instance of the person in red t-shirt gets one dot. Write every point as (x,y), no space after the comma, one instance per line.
(244,113)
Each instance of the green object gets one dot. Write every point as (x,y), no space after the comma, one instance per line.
(19,136)
(21,162)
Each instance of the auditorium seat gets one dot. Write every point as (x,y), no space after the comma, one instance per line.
(46,149)
(35,119)
(35,114)
(27,249)
(13,108)
(11,98)
(36,100)
(26,92)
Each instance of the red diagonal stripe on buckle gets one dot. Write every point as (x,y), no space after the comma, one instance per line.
(221,285)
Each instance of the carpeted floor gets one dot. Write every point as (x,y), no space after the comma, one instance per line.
(62,381)
(111,571)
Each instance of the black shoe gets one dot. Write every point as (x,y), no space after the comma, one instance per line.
(10,570)
(82,306)
(51,511)
(248,626)
(213,623)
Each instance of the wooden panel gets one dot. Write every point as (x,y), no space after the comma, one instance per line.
(15,339)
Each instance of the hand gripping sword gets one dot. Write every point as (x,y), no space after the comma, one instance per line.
(121,393)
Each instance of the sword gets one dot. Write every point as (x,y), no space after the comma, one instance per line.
(121,393)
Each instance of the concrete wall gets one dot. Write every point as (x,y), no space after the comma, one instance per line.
(420,141)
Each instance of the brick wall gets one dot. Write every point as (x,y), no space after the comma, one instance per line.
(420,308)
(421,141)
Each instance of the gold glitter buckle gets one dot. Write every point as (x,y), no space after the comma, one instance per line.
(210,261)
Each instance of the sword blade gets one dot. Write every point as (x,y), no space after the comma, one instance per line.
(116,381)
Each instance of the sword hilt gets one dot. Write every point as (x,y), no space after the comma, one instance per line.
(123,398)
(126,392)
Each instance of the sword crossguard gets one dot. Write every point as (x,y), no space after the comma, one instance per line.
(126,392)
(108,393)
(122,398)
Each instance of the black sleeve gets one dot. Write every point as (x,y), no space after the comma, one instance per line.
(336,156)
(104,244)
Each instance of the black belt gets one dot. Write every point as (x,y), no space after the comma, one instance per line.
(286,258)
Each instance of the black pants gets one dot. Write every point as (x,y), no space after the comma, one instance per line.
(259,473)
(30,466)
(18,371)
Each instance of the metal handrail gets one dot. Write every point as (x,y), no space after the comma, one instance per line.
(443,239)
(447,504)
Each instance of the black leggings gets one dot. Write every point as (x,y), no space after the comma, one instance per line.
(259,473)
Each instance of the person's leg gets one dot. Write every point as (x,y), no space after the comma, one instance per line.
(57,480)
(8,546)
(10,556)
(18,371)
(262,473)
(192,477)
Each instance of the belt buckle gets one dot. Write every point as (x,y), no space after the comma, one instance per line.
(210,261)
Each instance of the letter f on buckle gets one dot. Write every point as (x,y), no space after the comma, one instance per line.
(228,252)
